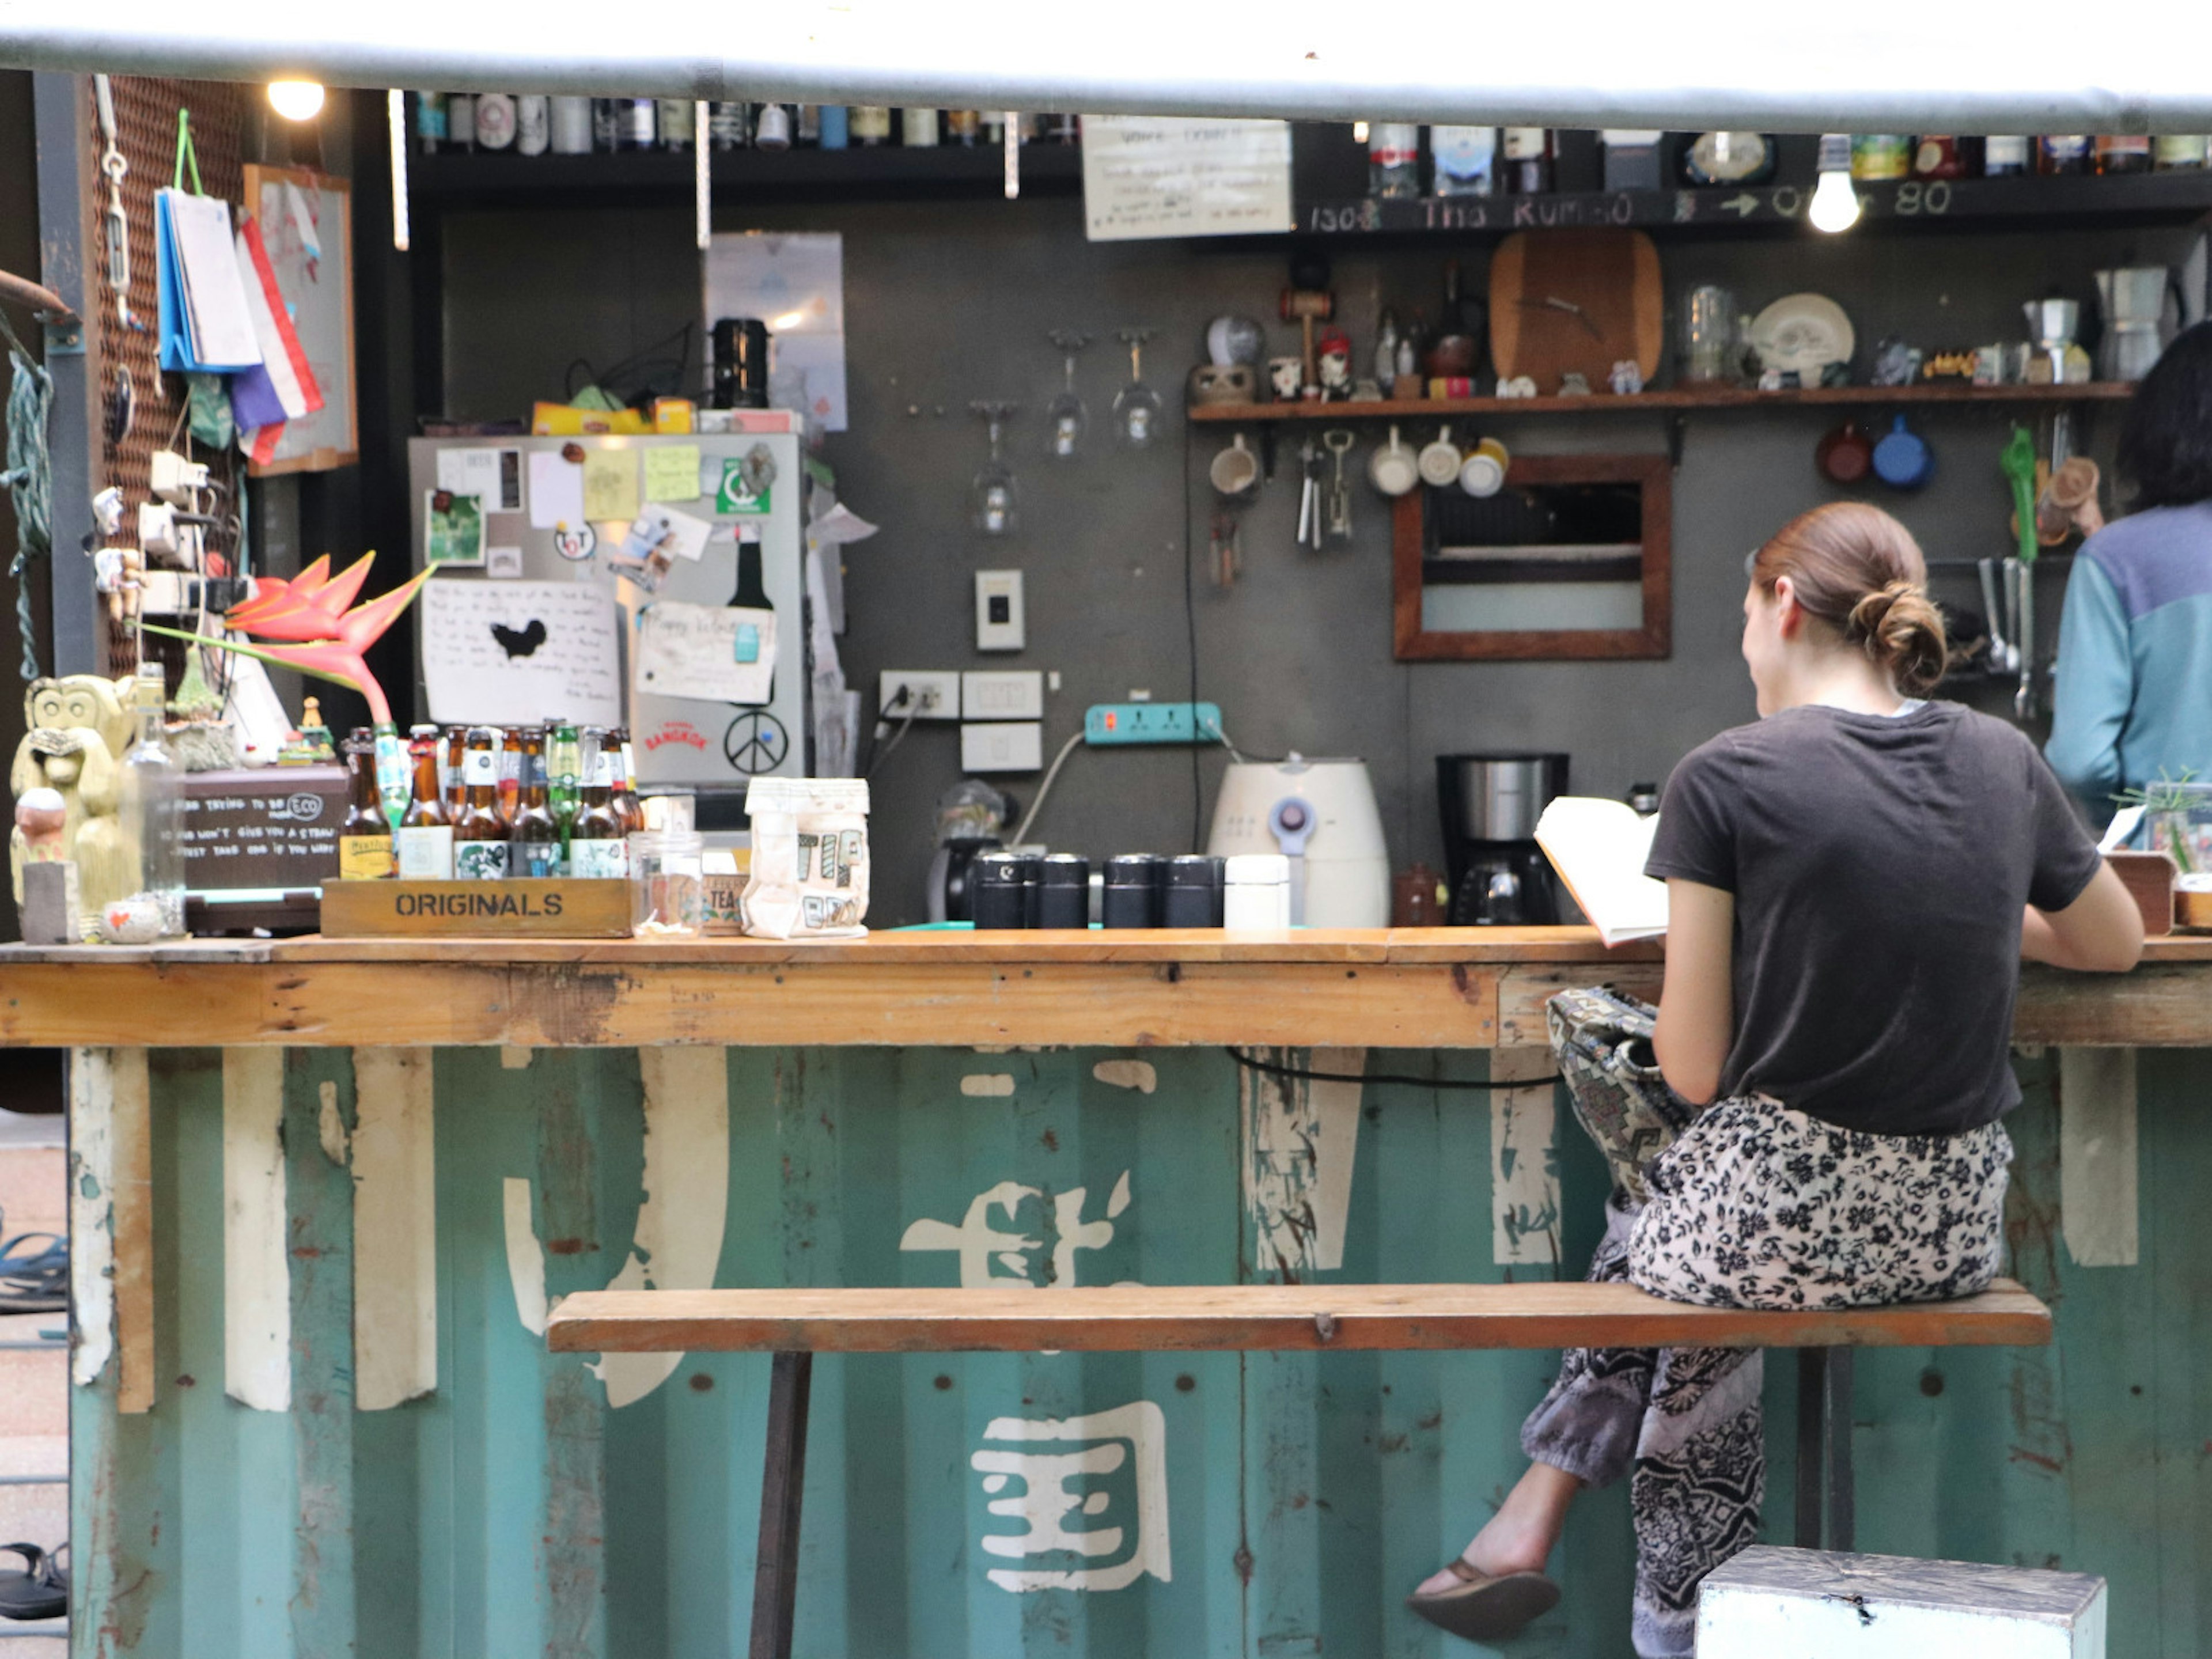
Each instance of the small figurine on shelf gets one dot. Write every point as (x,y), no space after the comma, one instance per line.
(51,906)
(311,744)
(1335,347)
(1895,363)
(1520,385)
(78,729)
(1574,384)
(1626,378)
(1284,376)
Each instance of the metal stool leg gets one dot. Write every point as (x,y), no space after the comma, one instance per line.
(1812,1441)
(783,1478)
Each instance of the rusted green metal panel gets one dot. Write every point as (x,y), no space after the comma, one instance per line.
(1236,1507)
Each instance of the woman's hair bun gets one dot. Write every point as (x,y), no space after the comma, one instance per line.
(1902,631)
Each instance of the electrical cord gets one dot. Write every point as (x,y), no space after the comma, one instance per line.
(1190,635)
(1022,831)
(1275,1070)
(877,755)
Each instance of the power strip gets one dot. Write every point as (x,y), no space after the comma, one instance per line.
(1153,722)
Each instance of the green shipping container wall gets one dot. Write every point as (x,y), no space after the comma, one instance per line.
(343,1434)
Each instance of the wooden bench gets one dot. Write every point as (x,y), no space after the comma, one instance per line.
(794,1325)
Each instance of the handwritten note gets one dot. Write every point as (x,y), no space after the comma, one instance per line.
(715,654)
(1148,176)
(671,472)
(515,652)
(556,491)
(610,484)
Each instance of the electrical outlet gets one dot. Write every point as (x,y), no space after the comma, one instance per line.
(999,625)
(1002,746)
(1153,722)
(938,693)
(1012,695)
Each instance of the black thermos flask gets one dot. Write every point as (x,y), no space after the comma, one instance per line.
(1132,896)
(1066,891)
(995,883)
(1193,885)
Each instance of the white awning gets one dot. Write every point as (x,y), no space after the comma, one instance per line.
(1971,66)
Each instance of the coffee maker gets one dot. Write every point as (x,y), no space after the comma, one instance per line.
(1500,876)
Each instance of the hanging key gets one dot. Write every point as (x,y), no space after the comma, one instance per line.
(1339,440)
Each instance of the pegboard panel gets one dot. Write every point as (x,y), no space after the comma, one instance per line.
(146,133)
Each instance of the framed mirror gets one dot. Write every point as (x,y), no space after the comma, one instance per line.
(1570,559)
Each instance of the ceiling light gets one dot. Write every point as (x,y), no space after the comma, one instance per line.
(296,100)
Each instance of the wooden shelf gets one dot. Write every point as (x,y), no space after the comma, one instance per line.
(658,177)
(2156,198)
(1678,399)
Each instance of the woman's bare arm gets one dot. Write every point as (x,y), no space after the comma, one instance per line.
(1697,1009)
(2101,931)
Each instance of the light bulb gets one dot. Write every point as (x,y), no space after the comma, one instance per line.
(296,100)
(1835,204)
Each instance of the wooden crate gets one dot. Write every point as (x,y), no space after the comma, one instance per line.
(2148,877)
(558,909)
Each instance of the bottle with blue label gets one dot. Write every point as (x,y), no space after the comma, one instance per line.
(480,835)
(534,841)
(1465,159)
(598,846)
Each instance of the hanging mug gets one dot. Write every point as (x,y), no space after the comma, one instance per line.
(1483,472)
(1236,471)
(1903,459)
(1440,461)
(1845,455)
(1392,468)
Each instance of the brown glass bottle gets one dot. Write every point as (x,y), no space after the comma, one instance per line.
(455,744)
(365,836)
(480,838)
(510,774)
(2123,152)
(627,807)
(423,849)
(598,842)
(534,839)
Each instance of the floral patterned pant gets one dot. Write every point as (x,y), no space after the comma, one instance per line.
(1746,1204)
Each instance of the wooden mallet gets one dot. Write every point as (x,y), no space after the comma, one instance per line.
(1308,306)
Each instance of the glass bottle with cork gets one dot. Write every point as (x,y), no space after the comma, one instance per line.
(480,835)
(365,851)
(423,849)
(598,845)
(534,839)
(151,807)
(628,806)
(1394,160)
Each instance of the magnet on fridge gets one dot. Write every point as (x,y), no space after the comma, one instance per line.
(748,646)
(575,543)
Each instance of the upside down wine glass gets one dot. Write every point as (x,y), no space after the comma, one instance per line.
(995,499)
(1067,417)
(1137,406)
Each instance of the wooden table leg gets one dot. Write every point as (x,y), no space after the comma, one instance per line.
(1812,1442)
(783,1478)
(1842,1497)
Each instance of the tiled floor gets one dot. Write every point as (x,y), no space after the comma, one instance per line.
(33,1385)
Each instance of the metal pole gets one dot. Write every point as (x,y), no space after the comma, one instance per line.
(66,165)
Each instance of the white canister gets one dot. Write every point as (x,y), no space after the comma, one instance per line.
(572,126)
(534,123)
(1256,891)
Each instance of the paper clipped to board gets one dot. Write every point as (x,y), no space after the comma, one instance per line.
(511,653)
(1599,848)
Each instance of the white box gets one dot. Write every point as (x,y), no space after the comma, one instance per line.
(1817,1604)
(1002,746)
(999,625)
(1012,694)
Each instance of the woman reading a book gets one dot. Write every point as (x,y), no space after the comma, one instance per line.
(1853,881)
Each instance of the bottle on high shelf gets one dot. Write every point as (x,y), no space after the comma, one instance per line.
(772,127)
(534,840)
(2119,152)
(726,125)
(835,127)
(870,124)
(1939,155)
(2062,153)
(1530,161)
(365,835)
(918,129)
(423,848)
(673,116)
(429,122)
(2005,156)
(1394,160)
(1880,156)
(963,126)
(807,132)
(606,124)
(598,845)
(1728,158)
(1062,127)
(496,120)
(151,807)
(480,835)
(569,125)
(1465,159)
(2179,152)
(637,123)
(534,123)
(460,120)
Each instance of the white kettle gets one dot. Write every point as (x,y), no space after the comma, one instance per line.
(1321,815)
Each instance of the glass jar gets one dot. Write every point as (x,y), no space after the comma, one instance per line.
(1710,352)
(667,883)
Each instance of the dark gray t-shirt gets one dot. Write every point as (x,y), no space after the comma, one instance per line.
(1879,864)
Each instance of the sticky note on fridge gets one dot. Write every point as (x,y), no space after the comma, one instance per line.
(671,472)
(748,648)
(556,492)
(611,483)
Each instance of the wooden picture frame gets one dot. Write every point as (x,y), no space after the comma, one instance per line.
(1653,475)
(322,312)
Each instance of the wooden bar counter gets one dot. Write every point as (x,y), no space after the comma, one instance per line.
(1427,987)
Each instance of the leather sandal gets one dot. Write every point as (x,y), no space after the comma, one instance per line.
(1481,1608)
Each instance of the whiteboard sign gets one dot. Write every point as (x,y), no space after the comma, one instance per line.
(1147,176)
(521,654)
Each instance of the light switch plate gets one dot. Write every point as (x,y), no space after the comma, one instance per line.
(937,688)
(1002,746)
(999,625)
(1008,694)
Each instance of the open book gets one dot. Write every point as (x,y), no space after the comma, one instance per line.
(1599,847)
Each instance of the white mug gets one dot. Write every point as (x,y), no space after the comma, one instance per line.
(1392,468)
(1440,461)
(1235,470)
(1483,472)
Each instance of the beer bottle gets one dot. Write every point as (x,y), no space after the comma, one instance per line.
(535,838)
(480,843)
(510,774)
(424,848)
(365,836)
(564,780)
(455,746)
(627,807)
(598,846)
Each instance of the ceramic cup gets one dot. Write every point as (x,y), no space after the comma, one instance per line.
(1440,461)
(1483,472)
(1392,468)
(1903,459)
(1236,471)
(1845,455)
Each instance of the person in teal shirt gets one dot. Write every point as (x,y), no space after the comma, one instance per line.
(2133,702)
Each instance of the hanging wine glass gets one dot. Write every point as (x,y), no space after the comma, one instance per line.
(1137,406)
(1066,418)
(995,499)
